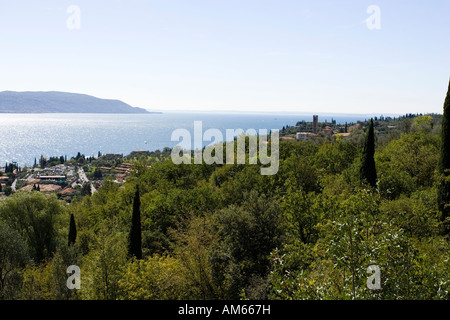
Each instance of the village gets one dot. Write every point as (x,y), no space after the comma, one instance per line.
(315,130)
(66,180)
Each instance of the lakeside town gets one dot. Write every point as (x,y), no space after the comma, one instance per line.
(81,175)
(67,179)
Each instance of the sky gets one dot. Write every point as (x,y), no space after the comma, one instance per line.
(341,56)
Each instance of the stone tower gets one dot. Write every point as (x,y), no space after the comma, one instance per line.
(315,122)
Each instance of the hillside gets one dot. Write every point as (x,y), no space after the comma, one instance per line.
(60,102)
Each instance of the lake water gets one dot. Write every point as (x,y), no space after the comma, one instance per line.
(24,137)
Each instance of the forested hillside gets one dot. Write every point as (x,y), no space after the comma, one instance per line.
(227,232)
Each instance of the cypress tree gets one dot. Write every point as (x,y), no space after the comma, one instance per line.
(135,237)
(72,230)
(368,173)
(444,162)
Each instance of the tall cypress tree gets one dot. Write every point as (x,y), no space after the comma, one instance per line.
(135,237)
(444,162)
(368,173)
(72,230)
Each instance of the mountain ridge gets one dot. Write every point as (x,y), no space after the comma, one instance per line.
(61,102)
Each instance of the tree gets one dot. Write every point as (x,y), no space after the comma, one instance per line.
(47,280)
(103,266)
(155,278)
(72,230)
(42,162)
(368,171)
(193,251)
(8,190)
(97,173)
(248,233)
(13,255)
(35,217)
(86,189)
(444,161)
(135,237)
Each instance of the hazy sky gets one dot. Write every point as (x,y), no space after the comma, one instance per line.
(248,55)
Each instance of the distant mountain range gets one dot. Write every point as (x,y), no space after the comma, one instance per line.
(61,102)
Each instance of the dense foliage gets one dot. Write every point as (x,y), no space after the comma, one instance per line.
(227,232)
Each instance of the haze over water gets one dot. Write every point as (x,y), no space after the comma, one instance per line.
(24,137)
